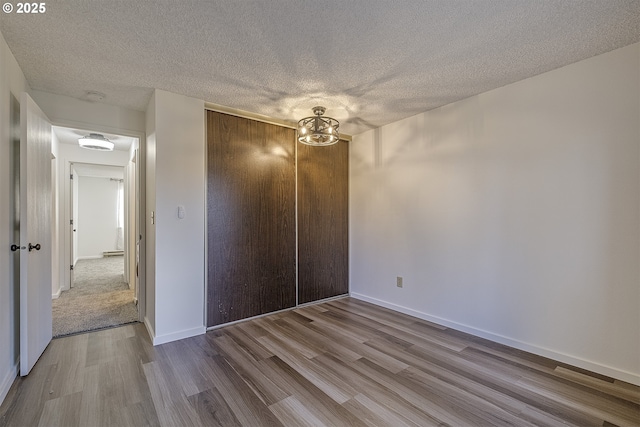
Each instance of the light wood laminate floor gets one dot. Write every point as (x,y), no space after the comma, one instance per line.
(344,362)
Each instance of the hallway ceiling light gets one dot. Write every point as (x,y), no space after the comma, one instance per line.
(318,130)
(95,141)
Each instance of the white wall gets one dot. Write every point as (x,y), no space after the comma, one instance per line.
(149,221)
(176,175)
(12,84)
(71,112)
(513,215)
(97,216)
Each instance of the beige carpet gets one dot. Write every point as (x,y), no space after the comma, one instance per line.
(100,298)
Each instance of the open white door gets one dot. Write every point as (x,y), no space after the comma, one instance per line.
(35,233)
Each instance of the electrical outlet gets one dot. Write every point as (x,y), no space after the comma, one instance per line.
(399,281)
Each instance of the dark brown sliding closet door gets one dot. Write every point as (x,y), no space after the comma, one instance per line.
(250,218)
(323,217)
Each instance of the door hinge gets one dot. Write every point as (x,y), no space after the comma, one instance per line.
(71,176)
(70,222)
(71,267)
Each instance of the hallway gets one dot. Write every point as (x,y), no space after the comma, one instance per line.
(100,298)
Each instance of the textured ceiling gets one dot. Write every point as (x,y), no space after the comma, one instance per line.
(369,62)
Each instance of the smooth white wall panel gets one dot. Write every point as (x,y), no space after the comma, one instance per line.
(67,111)
(150,202)
(177,162)
(513,214)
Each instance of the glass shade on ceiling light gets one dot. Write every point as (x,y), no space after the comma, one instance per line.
(318,130)
(95,141)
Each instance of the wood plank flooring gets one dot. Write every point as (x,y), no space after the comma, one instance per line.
(340,363)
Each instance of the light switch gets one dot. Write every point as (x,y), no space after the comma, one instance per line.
(181,212)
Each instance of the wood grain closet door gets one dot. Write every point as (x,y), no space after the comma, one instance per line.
(250,218)
(323,218)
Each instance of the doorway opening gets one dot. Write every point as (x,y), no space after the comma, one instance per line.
(98,284)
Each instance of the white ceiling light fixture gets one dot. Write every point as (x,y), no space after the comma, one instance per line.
(318,130)
(96,141)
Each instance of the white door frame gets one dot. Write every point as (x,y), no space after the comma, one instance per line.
(65,227)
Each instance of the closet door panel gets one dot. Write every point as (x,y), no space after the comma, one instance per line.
(250,218)
(323,217)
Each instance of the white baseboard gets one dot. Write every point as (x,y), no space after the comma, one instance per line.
(541,351)
(175,336)
(8,380)
(150,331)
(56,295)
